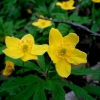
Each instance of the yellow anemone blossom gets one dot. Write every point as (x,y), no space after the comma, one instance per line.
(96,1)
(63,53)
(24,48)
(9,68)
(66,5)
(42,23)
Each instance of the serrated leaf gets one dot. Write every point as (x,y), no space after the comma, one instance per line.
(79,92)
(93,90)
(19,81)
(63,28)
(84,71)
(39,93)
(26,93)
(32,66)
(60,16)
(79,19)
(52,5)
(48,84)
(58,92)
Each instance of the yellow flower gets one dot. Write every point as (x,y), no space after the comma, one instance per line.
(66,5)
(9,68)
(24,48)
(42,23)
(63,53)
(96,1)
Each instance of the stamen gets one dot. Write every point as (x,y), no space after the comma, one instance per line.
(25,47)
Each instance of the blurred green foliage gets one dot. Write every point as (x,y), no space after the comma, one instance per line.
(38,82)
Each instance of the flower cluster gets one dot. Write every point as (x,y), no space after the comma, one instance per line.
(61,50)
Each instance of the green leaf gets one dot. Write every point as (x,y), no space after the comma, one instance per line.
(79,19)
(63,28)
(2,48)
(48,84)
(60,16)
(51,7)
(58,93)
(8,26)
(27,65)
(94,27)
(84,71)
(93,89)
(32,66)
(39,93)
(42,8)
(96,77)
(19,81)
(79,92)
(19,24)
(26,93)
(17,62)
(41,62)
(39,3)
(32,30)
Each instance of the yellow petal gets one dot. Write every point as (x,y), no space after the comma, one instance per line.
(58,4)
(55,37)
(9,68)
(35,23)
(53,54)
(72,39)
(71,2)
(6,72)
(39,49)
(38,23)
(11,41)
(9,63)
(63,68)
(28,37)
(77,57)
(13,53)
(27,56)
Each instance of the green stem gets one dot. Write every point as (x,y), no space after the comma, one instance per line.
(48,69)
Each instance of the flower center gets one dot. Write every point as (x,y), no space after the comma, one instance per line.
(65,4)
(43,23)
(25,47)
(62,52)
